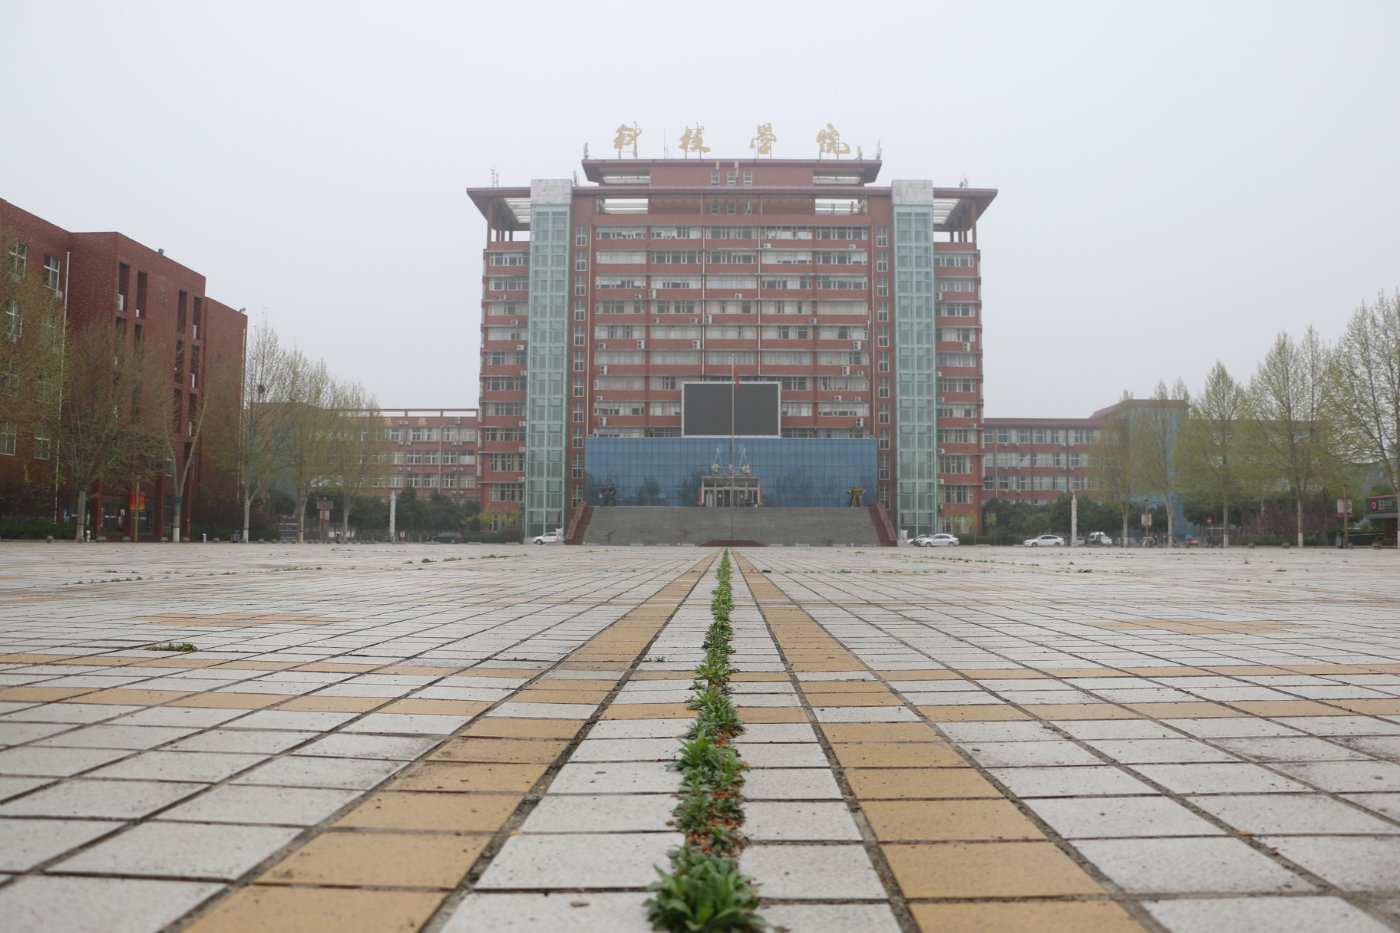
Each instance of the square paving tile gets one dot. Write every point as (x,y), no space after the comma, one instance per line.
(601,813)
(791,784)
(1264,914)
(99,905)
(345,910)
(27,842)
(1219,779)
(185,850)
(240,803)
(989,869)
(1349,862)
(474,813)
(1346,776)
(804,821)
(204,767)
(831,918)
(918,783)
(1189,865)
(624,777)
(1118,817)
(955,820)
(581,860)
(1026,917)
(116,800)
(379,859)
(298,771)
(807,872)
(1291,814)
(590,912)
(1029,754)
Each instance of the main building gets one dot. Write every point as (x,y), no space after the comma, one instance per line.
(692,332)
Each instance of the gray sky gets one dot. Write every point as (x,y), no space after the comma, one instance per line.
(1178,181)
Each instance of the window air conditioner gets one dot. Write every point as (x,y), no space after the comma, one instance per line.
(855,345)
(845,370)
(650,294)
(860,422)
(738,294)
(520,346)
(602,346)
(811,320)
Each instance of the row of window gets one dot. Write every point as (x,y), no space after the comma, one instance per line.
(1046,483)
(18,263)
(732,232)
(729,282)
(722,332)
(1075,436)
(773,257)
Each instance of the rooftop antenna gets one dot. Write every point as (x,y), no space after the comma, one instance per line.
(879,150)
(495,177)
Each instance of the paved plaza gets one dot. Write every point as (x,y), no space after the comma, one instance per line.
(475,738)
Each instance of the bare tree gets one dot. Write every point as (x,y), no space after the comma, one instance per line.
(1209,450)
(305,430)
(243,436)
(359,451)
(1288,431)
(1154,445)
(1363,388)
(112,419)
(1111,460)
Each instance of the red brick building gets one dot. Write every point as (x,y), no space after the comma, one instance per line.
(108,278)
(431,449)
(863,302)
(1037,460)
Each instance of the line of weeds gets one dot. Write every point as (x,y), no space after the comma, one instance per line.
(704,891)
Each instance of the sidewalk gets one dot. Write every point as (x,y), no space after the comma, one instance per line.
(466,739)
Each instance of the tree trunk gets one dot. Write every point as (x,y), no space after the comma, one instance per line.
(1225,524)
(81,515)
(1300,521)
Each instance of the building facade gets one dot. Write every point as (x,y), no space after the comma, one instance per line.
(428,449)
(603,301)
(1037,460)
(110,280)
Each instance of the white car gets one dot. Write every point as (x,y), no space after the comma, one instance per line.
(549,538)
(1045,541)
(938,540)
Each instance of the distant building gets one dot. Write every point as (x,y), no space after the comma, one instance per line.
(432,450)
(606,304)
(107,279)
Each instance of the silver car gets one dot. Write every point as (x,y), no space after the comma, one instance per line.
(1045,541)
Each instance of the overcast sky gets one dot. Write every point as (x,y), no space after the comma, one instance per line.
(1178,181)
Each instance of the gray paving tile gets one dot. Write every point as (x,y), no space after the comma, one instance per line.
(1144,751)
(1263,915)
(1121,817)
(99,905)
(56,762)
(182,850)
(25,843)
(812,872)
(1351,863)
(1029,754)
(783,754)
(1189,865)
(246,803)
(117,800)
(791,784)
(1259,814)
(624,777)
(351,745)
(248,741)
(1219,779)
(299,771)
(600,813)
(1384,804)
(292,720)
(1346,776)
(581,860)
(205,767)
(804,821)
(654,749)
(14,786)
(1299,748)
(580,912)
(832,918)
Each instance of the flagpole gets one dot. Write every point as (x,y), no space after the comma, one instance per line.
(733,391)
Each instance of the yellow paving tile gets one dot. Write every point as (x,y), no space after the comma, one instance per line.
(1375,707)
(33,658)
(437,707)
(42,694)
(259,665)
(918,783)
(344,910)
(414,671)
(315,704)
(232,700)
(463,813)
(534,695)
(986,869)
(1079,711)
(771,713)
(934,674)
(486,749)
(1065,672)
(380,859)
(1247,670)
(1167,672)
(511,728)
(1187,710)
(980,713)
(842,732)
(648,711)
(1025,917)
(1290,707)
(118,696)
(929,753)
(462,777)
(962,820)
(873,698)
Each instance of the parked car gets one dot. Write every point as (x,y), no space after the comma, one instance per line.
(1045,541)
(446,537)
(1191,541)
(939,540)
(1099,538)
(549,537)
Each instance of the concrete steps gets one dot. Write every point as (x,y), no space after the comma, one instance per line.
(834,527)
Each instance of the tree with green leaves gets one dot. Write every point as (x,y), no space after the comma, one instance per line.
(1362,399)
(1210,449)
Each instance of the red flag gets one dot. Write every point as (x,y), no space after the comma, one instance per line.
(735,368)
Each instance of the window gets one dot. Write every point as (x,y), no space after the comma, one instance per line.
(512,258)
(19,256)
(580,236)
(581,262)
(882,236)
(7,438)
(12,324)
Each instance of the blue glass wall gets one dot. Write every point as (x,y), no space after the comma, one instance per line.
(802,472)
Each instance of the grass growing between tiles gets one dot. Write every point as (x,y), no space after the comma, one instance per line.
(703,891)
